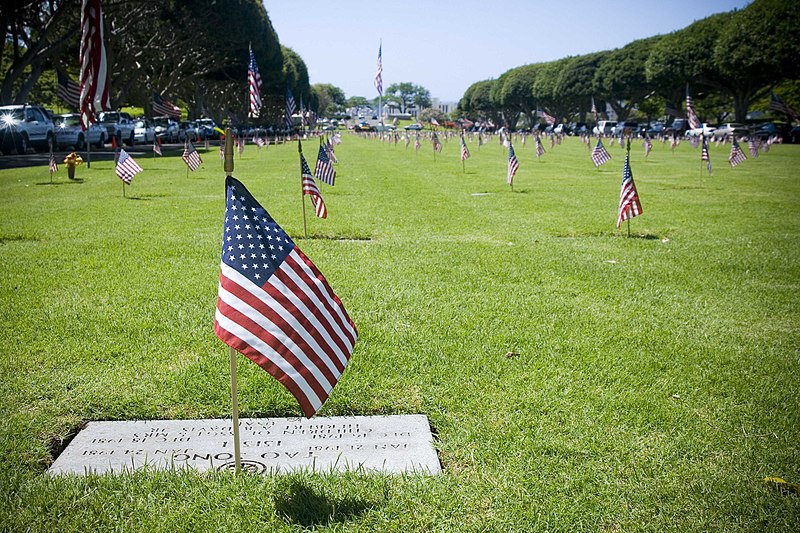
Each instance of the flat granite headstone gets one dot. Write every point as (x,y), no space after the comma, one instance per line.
(392,444)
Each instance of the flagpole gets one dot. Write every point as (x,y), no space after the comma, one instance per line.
(302,191)
(628,158)
(88,150)
(237,458)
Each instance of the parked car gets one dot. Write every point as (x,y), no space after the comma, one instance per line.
(363,126)
(704,129)
(656,128)
(117,124)
(205,128)
(579,128)
(414,127)
(69,132)
(626,125)
(188,130)
(143,131)
(561,129)
(23,126)
(166,129)
(677,127)
(604,127)
(771,129)
(729,129)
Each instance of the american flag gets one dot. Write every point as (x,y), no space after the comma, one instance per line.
(310,188)
(648,145)
(776,104)
(704,155)
(127,168)
(302,113)
(752,147)
(437,144)
(53,165)
(276,308)
(674,143)
(379,72)
(737,154)
(239,145)
(324,169)
(600,155)
(513,164)
(464,149)
(289,108)
(332,156)
(259,141)
(165,107)
(254,80)
(550,119)
(434,122)
(94,95)
(539,147)
(406,139)
(691,117)
(594,111)
(192,158)
(157,145)
(694,141)
(68,90)
(416,143)
(629,205)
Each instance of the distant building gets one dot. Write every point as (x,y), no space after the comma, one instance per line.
(444,107)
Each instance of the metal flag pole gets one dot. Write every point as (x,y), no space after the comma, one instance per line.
(628,158)
(88,150)
(302,190)
(237,458)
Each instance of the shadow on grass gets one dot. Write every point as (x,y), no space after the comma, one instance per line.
(325,237)
(70,182)
(607,234)
(58,445)
(304,506)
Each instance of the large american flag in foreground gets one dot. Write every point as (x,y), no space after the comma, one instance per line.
(737,154)
(94,95)
(629,205)
(600,155)
(127,168)
(275,307)
(191,157)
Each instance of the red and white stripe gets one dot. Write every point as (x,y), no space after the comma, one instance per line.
(127,168)
(94,95)
(293,326)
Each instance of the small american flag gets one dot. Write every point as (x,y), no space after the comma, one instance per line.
(464,149)
(127,168)
(691,117)
(513,164)
(407,139)
(53,165)
(324,169)
(310,188)
(437,144)
(240,145)
(648,145)
(254,79)
(434,122)
(165,107)
(776,104)
(704,155)
(694,141)
(674,143)
(290,107)
(550,119)
(416,143)
(332,156)
(594,111)
(737,154)
(259,141)
(752,147)
(275,307)
(629,205)
(157,146)
(600,155)
(539,147)
(192,158)
(206,144)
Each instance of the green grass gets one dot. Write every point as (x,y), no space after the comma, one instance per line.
(655,386)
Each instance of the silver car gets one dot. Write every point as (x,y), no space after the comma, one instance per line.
(70,133)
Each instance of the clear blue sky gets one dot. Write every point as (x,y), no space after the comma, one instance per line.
(445,46)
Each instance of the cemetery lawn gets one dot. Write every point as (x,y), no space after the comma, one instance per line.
(575,378)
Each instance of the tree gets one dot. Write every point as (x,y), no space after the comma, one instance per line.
(513,92)
(407,93)
(478,103)
(357,101)
(330,99)
(621,79)
(575,83)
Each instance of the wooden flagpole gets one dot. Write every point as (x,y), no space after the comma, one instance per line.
(302,191)
(237,458)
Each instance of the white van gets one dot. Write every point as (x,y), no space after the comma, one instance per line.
(604,127)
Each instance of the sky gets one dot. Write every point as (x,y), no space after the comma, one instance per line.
(446,46)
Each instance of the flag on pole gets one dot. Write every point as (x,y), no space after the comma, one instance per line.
(191,157)
(68,90)
(752,146)
(550,119)
(379,72)
(290,107)
(594,111)
(600,155)
(324,169)
(437,144)
(240,145)
(310,188)
(254,80)
(416,143)
(513,164)
(165,107)
(691,117)
(648,145)
(127,168)
(332,156)
(157,145)
(737,155)
(434,122)
(53,165)
(539,147)
(94,95)
(464,149)
(704,155)
(629,205)
(776,104)
(276,308)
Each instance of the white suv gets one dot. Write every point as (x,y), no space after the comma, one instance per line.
(23,126)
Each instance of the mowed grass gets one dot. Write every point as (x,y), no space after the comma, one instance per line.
(652,385)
